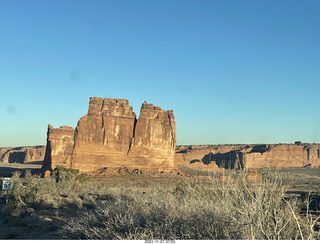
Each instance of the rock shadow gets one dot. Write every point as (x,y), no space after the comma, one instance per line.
(229,160)
(17,157)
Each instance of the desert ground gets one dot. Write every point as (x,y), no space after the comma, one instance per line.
(54,211)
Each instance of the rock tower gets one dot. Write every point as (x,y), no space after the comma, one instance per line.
(109,135)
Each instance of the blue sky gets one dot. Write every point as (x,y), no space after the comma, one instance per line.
(233,71)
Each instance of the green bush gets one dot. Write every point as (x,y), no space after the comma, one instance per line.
(60,173)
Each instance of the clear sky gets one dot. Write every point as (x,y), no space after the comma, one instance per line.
(233,71)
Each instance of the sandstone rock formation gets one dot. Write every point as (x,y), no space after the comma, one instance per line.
(111,136)
(283,156)
(277,156)
(110,139)
(59,147)
(154,138)
(103,136)
(22,155)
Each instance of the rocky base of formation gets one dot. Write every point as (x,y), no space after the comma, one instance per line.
(112,171)
(25,154)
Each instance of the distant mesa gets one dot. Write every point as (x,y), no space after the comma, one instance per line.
(250,157)
(109,135)
(21,155)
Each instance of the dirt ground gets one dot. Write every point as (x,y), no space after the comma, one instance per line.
(6,169)
(45,223)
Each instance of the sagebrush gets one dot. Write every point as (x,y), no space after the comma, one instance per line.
(230,209)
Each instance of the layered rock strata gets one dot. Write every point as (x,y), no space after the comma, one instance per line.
(283,156)
(109,135)
(154,138)
(60,142)
(25,154)
(278,156)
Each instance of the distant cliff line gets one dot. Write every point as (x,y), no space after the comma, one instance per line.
(249,156)
(281,155)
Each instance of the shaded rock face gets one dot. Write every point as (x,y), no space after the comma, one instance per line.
(277,156)
(111,136)
(22,155)
(59,147)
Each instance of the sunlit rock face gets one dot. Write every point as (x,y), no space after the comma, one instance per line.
(250,157)
(154,139)
(104,135)
(109,135)
(284,156)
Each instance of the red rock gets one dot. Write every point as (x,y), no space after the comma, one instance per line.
(26,154)
(278,156)
(154,139)
(283,156)
(104,135)
(110,136)
(59,147)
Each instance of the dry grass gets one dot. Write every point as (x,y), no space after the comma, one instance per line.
(188,209)
(61,189)
(233,209)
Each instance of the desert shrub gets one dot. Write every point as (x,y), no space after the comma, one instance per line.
(157,214)
(61,189)
(26,191)
(68,181)
(60,173)
(230,209)
(257,211)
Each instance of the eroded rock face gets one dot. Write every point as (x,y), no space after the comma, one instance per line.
(154,139)
(60,142)
(111,136)
(284,156)
(103,136)
(278,156)
(26,154)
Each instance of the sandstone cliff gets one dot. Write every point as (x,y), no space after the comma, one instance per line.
(103,136)
(26,154)
(109,135)
(154,138)
(59,147)
(283,156)
(249,157)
